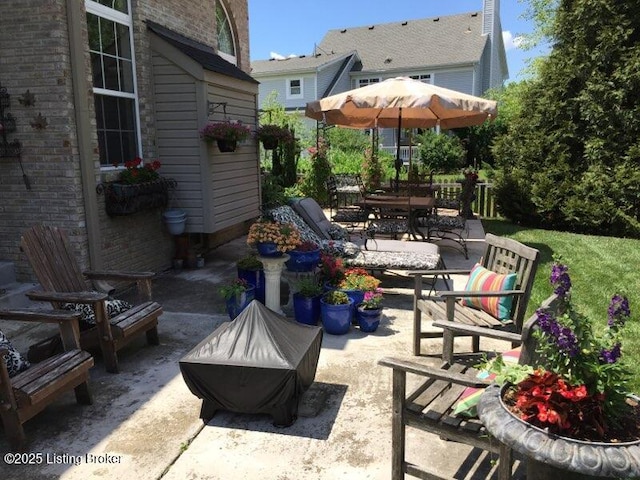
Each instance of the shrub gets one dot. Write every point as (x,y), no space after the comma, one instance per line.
(441,152)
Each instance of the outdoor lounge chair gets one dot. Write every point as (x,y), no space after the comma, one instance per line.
(333,238)
(25,390)
(430,407)
(501,256)
(104,323)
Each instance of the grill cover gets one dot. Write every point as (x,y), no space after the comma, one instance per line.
(260,362)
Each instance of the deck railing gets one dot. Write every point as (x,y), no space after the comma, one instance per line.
(484,204)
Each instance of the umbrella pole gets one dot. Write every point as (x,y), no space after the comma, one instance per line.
(398,161)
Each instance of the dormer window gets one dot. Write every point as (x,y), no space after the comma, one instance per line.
(226,41)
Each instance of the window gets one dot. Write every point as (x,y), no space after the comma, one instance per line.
(367,81)
(226,42)
(114,84)
(294,88)
(423,78)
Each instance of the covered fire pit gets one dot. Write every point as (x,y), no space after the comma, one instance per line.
(261,362)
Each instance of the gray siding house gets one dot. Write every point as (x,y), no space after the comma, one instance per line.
(462,52)
(92,84)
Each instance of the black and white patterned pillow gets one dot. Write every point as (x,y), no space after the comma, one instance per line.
(16,363)
(286,214)
(114,308)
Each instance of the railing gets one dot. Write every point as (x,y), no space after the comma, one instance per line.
(484,204)
(404,152)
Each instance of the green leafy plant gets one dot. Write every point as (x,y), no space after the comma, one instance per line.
(250,262)
(235,288)
(441,152)
(230,131)
(309,287)
(358,279)
(336,297)
(138,172)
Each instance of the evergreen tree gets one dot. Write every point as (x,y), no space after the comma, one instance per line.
(570,157)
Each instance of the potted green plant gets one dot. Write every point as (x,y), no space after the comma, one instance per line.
(369,311)
(237,294)
(271,238)
(306,301)
(226,134)
(335,312)
(251,269)
(271,135)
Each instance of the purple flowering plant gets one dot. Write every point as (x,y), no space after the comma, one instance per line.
(579,384)
(571,347)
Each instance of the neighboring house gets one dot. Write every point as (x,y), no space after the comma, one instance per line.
(116,79)
(462,52)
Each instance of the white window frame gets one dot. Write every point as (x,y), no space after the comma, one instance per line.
(125,19)
(293,96)
(364,81)
(229,58)
(423,77)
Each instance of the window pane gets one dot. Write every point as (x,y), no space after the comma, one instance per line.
(116,129)
(124,47)
(126,76)
(119,5)
(96,67)
(110,73)
(94,32)
(223,30)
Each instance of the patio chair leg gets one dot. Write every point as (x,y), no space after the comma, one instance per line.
(505,463)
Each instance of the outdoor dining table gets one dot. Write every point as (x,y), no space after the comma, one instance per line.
(409,207)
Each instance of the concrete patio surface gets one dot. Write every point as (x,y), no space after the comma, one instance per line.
(144,423)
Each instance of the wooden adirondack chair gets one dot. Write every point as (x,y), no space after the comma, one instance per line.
(501,255)
(52,259)
(30,391)
(430,406)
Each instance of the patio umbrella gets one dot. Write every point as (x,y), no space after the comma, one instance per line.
(401,103)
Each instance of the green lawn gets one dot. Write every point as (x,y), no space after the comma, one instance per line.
(599,267)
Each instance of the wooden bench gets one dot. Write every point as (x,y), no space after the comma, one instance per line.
(30,391)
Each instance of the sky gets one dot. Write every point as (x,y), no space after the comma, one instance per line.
(293,27)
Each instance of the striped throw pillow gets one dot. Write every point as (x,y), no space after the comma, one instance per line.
(482,279)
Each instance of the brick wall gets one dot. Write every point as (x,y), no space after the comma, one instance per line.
(35,55)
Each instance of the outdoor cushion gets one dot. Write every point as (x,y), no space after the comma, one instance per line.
(285,214)
(393,260)
(16,363)
(114,308)
(481,279)
(468,401)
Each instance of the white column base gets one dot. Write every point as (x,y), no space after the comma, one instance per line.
(272,272)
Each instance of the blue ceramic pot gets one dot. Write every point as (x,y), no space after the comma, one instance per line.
(368,320)
(303,261)
(237,304)
(256,278)
(336,319)
(306,309)
(356,296)
(268,249)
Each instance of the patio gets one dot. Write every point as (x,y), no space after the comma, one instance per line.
(144,421)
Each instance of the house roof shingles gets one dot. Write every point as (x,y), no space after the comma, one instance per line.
(301,63)
(199,52)
(428,42)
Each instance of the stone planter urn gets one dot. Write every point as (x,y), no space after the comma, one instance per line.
(552,456)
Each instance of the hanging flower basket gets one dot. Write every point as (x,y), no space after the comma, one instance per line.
(227,145)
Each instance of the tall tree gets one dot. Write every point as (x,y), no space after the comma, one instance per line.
(571,155)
